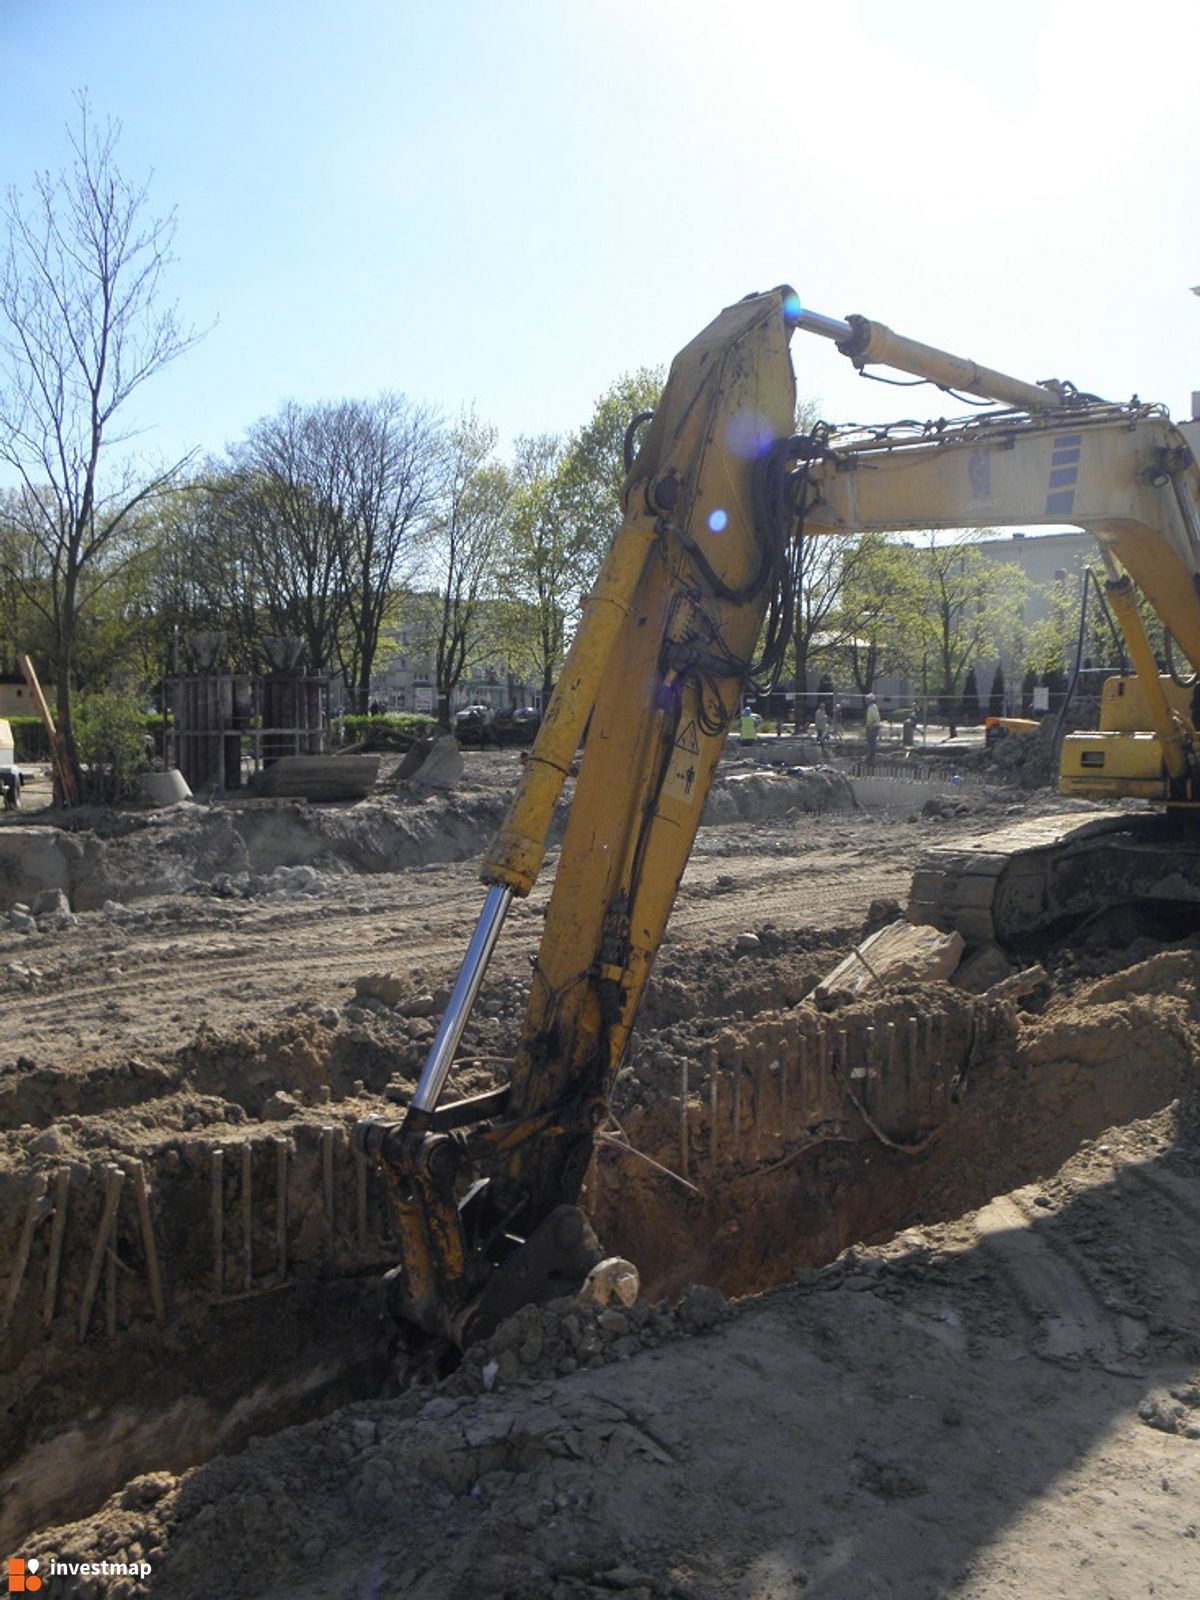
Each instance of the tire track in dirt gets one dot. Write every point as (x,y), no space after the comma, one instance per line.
(254,961)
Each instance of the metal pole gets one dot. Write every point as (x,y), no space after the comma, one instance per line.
(470,977)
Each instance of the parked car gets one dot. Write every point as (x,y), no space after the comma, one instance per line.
(473,714)
(526,714)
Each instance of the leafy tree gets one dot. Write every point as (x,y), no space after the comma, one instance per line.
(111,731)
(1028,685)
(1056,682)
(591,473)
(881,610)
(465,543)
(971,608)
(996,698)
(1055,640)
(545,563)
(204,578)
(330,505)
(81,330)
(968,707)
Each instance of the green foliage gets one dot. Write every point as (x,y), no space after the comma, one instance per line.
(391,728)
(545,563)
(883,602)
(973,608)
(996,698)
(110,733)
(29,739)
(592,471)
(1028,685)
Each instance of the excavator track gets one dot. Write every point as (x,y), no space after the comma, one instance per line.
(1007,884)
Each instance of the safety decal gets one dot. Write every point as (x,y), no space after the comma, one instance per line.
(681,781)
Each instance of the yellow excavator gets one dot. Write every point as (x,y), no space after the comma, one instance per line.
(692,609)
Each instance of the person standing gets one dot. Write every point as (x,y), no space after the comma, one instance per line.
(872,719)
(821,722)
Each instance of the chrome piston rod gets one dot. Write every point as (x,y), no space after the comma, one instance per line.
(866,342)
(466,988)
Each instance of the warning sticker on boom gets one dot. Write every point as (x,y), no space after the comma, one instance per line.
(682,779)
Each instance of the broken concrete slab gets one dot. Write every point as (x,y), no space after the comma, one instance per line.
(321,777)
(164,788)
(34,859)
(437,764)
(899,953)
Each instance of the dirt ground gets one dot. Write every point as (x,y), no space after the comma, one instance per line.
(965,1360)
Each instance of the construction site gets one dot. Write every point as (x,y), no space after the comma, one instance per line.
(917,1305)
(599,867)
(798,1196)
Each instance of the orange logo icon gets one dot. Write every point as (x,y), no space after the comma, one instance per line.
(22,1575)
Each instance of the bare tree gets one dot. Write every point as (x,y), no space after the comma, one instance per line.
(284,496)
(822,567)
(393,474)
(204,577)
(331,502)
(80,332)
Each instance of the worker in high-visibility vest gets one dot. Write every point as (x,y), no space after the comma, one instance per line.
(749,729)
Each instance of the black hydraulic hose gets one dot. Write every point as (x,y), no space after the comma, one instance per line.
(1169,650)
(631,432)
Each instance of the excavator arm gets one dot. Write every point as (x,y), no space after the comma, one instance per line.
(484,1193)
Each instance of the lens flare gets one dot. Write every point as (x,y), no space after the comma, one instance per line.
(718,521)
(748,434)
(791,306)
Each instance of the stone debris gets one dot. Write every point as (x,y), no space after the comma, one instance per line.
(984,967)
(566,1335)
(901,952)
(613,1281)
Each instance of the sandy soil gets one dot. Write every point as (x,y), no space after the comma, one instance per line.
(998,1394)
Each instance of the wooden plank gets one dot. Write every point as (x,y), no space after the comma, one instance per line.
(65,793)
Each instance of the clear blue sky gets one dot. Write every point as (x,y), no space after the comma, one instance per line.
(508,204)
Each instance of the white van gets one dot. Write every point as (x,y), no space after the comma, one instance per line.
(10,773)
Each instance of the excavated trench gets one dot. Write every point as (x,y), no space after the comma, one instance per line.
(190,1247)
